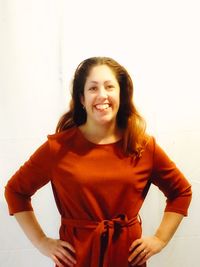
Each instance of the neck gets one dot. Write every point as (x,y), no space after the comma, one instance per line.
(101,134)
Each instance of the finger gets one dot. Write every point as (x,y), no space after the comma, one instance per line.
(141,258)
(136,253)
(144,259)
(136,261)
(67,255)
(135,244)
(56,261)
(63,259)
(67,245)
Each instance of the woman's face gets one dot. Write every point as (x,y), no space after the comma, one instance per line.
(101,97)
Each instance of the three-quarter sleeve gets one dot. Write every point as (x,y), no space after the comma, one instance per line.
(171,181)
(32,175)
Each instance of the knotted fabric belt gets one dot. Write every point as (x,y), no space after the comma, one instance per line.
(105,228)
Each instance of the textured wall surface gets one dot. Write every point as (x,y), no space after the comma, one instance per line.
(41,44)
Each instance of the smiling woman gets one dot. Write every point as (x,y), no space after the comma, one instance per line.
(101,100)
(103,75)
(101,164)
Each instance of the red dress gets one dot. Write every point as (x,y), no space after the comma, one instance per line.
(98,192)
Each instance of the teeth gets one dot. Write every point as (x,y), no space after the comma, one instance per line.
(102,106)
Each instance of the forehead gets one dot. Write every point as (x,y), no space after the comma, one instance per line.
(101,73)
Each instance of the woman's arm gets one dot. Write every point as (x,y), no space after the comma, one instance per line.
(168,226)
(30,226)
(57,250)
(142,249)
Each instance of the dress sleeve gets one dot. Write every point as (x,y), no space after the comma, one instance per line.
(35,173)
(171,182)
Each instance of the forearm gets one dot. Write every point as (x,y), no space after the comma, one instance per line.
(143,248)
(30,226)
(168,226)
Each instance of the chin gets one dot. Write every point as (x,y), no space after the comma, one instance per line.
(105,122)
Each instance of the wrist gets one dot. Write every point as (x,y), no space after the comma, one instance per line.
(39,240)
(161,239)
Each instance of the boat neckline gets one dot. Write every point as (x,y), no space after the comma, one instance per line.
(96,144)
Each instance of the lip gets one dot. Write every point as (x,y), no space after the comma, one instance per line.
(102,106)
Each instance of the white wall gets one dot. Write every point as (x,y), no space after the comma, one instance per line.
(42,41)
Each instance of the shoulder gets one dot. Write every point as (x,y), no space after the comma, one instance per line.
(151,150)
(161,159)
(62,138)
(154,148)
(149,144)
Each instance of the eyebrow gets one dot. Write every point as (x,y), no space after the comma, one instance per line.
(108,81)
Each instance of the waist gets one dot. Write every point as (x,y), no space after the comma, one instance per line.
(120,220)
(104,232)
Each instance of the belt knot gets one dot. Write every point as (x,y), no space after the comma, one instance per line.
(106,228)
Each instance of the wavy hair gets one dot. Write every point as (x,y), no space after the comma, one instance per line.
(128,118)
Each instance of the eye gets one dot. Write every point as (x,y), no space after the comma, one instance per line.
(93,88)
(110,86)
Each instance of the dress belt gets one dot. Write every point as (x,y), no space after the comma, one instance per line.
(105,228)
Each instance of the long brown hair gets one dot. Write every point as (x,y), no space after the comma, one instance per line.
(128,118)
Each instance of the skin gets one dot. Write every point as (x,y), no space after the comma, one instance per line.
(144,248)
(101,101)
(59,251)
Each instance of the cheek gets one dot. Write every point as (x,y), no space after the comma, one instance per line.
(88,101)
(85,100)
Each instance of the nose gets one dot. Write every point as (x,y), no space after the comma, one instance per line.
(102,92)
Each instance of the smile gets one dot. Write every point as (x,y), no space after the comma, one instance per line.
(102,106)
